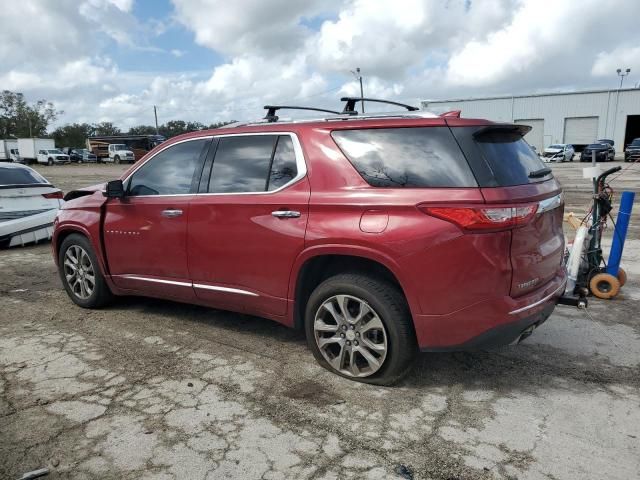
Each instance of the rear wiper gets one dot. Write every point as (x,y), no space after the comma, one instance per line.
(540,173)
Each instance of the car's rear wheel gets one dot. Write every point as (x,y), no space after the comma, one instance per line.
(360,328)
(80,273)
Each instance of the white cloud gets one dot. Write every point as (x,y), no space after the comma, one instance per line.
(622,57)
(283,51)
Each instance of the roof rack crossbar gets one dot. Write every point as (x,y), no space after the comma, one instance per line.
(272,109)
(350,106)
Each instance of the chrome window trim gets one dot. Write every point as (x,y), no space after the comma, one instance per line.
(542,300)
(301,164)
(225,289)
(189,284)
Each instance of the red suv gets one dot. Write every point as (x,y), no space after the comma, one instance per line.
(379,236)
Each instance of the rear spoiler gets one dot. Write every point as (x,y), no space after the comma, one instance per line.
(508,128)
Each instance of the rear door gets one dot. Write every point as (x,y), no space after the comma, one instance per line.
(248,223)
(518,178)
(145,232)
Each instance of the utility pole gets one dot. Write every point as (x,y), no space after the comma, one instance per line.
(30,132)
(155,114)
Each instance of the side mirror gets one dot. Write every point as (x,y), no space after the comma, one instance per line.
(114,189)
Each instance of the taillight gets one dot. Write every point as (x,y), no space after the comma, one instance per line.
(483,218)
(57,194)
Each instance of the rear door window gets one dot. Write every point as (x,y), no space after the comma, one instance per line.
(415,157)
(253,164)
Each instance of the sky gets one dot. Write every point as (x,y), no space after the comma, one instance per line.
(214,60)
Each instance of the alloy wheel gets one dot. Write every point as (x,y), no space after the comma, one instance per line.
(79,272)
(350,336)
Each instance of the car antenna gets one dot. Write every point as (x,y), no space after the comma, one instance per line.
(272,109)
(350,106)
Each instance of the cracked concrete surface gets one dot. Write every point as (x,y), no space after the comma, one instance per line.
(157,390)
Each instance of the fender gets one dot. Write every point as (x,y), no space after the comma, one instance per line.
(355,251)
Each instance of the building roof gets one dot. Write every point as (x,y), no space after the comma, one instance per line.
(548,94)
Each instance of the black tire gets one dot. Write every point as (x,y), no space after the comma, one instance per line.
(50,162)
(116,159)
(101,295)
(392,309)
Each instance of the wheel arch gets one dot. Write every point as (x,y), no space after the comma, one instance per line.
(315,265)
(61,233)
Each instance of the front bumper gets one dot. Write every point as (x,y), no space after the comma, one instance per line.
(493,322)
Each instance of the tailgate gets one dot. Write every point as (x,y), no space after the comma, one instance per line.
(537,248)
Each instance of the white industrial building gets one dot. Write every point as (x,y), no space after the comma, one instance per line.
(577,118)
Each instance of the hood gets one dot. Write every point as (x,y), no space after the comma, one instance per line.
(85,191)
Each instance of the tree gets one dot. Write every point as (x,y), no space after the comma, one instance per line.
(142,130)
(19,119)
(73,135)
(106,129)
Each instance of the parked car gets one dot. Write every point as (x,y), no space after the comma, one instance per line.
(602,150)
(611,143)
(28,205)
(120,153)
(559,152)
(377,236)
(52,156)
(632,152)
(81,155)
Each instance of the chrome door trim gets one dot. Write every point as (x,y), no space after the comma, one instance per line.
(155,280)
(189,284)
(225,289)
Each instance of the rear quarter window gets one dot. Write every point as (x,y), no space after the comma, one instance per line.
(500,157)
(415,157)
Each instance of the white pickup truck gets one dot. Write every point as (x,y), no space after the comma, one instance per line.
(118,152)
(51,156)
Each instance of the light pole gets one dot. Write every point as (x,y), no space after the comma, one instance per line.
(359,78)
(621,74)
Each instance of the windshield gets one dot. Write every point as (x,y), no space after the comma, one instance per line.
(56,152)
(20,176)
(597,146)
(556,146)
(119,147)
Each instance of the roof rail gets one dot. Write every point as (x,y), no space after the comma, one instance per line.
(272,109)
(350,106)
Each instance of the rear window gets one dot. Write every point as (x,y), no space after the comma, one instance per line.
(510,158)
(406,157)
(20,176)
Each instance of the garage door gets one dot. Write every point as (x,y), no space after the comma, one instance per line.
(536,135)
(580,130)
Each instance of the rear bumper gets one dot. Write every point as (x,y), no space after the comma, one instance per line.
(494,322)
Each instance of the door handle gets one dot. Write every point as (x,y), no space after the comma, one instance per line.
(171,213)
(285,214)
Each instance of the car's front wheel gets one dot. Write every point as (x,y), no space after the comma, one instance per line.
(360,328)
(50,161)
(80,273)
(116,159)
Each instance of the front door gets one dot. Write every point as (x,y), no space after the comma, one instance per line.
(248,226)
(145,232)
